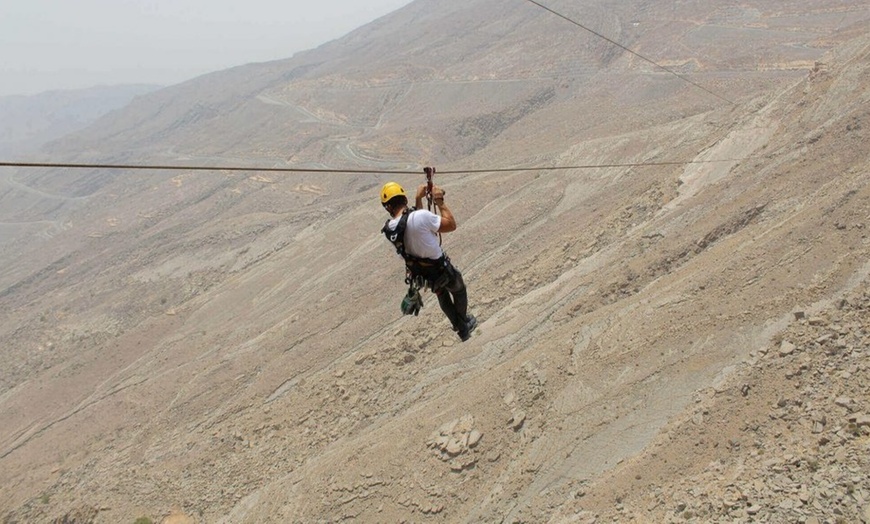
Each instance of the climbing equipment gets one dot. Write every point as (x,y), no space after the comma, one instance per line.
(413,302)
(430,172)
(390,190)
(430,204)
(397,236)
(415,266)
(419,272)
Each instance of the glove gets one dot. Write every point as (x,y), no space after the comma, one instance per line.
(412,303)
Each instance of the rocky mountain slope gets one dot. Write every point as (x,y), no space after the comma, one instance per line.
(785,439)
(227,347)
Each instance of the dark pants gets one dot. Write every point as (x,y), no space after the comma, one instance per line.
(448,286)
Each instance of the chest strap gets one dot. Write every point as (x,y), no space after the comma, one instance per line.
(397,238)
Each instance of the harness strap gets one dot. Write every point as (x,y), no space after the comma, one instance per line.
(416,266)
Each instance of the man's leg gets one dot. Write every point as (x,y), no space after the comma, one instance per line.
(460,295)
(458,305)
(449,308)
(450,290)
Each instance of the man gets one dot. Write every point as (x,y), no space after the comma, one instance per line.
(414,233)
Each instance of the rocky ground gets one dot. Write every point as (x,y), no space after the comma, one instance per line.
(786,439)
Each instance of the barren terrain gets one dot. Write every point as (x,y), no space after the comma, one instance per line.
(680,341)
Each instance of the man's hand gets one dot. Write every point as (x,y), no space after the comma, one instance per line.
(438,195)
(448,223)
(437,192)
(421,192)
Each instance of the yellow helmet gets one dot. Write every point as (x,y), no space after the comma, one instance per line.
(390,190)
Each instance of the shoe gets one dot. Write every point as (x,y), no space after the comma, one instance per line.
(470,324)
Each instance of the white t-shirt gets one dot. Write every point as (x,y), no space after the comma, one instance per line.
(421,234)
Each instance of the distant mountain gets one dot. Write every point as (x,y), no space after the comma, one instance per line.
(28,122)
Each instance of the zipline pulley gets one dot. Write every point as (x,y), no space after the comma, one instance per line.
(430,172)
(430,203)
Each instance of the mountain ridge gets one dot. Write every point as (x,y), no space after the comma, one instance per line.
(31,121)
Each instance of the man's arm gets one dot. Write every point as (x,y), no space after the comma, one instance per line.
(421,192)
(448,223)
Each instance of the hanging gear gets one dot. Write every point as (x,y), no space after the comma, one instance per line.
(397,236)
(413,302)
(430,172)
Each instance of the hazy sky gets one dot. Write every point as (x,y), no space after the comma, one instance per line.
(63,44)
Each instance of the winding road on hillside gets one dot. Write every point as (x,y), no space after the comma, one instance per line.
(9,180)
(344,145)
(52,227)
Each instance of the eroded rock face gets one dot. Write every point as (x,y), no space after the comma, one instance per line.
(82,515)
(795,450)
(455,443)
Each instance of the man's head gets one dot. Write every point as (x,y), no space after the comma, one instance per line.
(393,198)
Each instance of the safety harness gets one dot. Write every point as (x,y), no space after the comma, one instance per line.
(419,272)
(426,268)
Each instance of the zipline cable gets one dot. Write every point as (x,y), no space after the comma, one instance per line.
(377,171)
(597,166)
(635,53)
(361,171)
(203,168)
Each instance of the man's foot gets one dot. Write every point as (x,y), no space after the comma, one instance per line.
(465,331)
